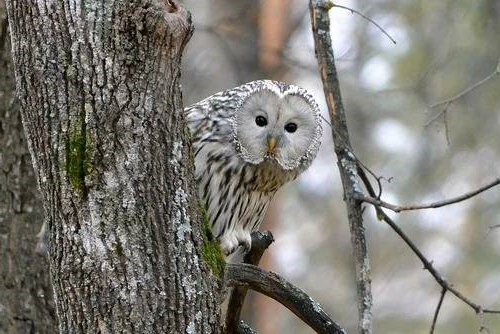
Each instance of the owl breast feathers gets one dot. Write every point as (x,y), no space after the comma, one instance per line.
(249,141)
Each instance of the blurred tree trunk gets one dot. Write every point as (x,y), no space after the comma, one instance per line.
(102,112)
(238,21)
(26,304)
(274,32)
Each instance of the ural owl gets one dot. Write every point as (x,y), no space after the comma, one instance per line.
(248,141)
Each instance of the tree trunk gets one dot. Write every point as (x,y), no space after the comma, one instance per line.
(102,112)
(26,304)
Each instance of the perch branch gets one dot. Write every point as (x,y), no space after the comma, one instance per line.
(346,160)
(260,242)
(293,298)
(433,205)
(428,265)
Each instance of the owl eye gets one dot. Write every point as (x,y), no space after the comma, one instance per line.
(290,127)
(261,121)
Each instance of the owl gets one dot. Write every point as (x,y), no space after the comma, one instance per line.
(249,141)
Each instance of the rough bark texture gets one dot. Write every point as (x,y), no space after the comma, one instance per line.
(102,111)
(26,304)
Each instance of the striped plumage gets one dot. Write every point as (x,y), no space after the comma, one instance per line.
(241,165)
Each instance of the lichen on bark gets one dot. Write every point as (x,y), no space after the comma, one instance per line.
(107,123)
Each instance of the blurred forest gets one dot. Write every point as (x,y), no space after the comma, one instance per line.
(443,47)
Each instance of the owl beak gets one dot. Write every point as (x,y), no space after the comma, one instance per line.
(271,144)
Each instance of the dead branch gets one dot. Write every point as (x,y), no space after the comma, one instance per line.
(428,265)
(433,205)
(438,308)
(447,102)
(290,296)
(260,242)
(354,11)
(346,161)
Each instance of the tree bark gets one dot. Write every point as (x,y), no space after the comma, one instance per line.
(102,112)
(26,303)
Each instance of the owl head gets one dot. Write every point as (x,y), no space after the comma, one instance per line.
(277,122)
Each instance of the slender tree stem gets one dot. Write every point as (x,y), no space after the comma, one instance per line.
(347,162)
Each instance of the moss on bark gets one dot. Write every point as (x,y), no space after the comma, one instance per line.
(212,253)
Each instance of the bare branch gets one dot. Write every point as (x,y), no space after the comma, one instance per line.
(290,296)
(469,89)
(347,162)
(447,102)
(433,205)
(260,242)
(482,323)
(375,176)
(492,227)
(428,265)
(438,308)
(353,11)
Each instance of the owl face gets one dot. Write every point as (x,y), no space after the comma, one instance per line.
(278,126)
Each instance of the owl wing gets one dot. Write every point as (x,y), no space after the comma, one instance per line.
(209,121)
(211,129)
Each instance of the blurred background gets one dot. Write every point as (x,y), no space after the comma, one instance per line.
(442,48)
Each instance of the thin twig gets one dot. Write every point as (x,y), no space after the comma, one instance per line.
(326,121)
(447,102)
(490,229)
(290,296)
(469,89)
(428,265)
(375,176)
(354,11)
(433,205)
(482,323)
(438,308)
(346,161)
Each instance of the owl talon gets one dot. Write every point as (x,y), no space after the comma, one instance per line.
(247,245)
